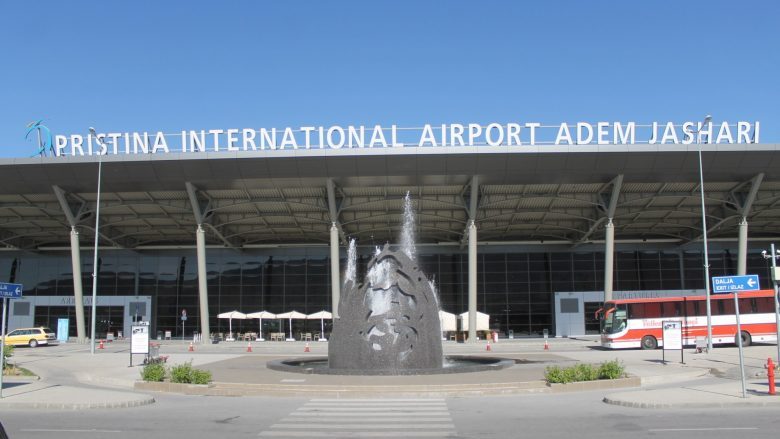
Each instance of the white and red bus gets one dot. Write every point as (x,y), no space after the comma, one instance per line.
(634,323)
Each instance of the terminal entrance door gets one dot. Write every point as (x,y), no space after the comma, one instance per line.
(592,325)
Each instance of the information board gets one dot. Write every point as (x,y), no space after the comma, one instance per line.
(139,341)
(672,335)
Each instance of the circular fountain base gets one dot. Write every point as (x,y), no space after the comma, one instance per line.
(452,364)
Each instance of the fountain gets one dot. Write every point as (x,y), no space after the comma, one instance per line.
(389,323)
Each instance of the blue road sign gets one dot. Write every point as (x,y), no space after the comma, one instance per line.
(10,291)
(732,284)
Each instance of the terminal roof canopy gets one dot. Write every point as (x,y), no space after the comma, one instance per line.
(271,198)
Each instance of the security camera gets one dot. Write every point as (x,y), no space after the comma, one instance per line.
(763,253)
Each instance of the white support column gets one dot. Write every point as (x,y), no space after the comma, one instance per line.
(609,256)
(203,294)
(472,282)
(78,290)
(742,247)
(609,237)
(335,281)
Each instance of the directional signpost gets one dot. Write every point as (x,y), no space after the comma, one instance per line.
(183,320)
(736,284)
(7,291)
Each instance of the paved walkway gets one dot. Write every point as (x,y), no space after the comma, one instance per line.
(72,378)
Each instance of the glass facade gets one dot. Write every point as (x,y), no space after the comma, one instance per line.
(514,288)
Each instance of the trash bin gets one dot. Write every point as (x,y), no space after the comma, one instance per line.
(511,334)
(154,350)
(159,335)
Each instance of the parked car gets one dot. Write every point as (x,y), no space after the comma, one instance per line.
(31,336)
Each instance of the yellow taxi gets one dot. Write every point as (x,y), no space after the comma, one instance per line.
(31,337)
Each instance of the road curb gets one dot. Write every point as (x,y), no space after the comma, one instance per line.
(689,405)
(342,391)
(76,406)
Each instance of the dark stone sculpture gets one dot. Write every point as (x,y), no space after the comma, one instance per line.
(390,324)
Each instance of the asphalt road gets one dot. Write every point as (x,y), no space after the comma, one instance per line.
(577,415)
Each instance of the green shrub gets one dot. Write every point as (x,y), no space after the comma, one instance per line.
(8,352)
(186,374)
(154,372)
(554,374)
(610,370)
(201,376)
(585,372)
(182,373)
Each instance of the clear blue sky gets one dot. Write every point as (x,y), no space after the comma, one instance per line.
(168,66)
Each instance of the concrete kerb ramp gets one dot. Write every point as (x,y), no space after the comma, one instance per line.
(696,397)
(42,395)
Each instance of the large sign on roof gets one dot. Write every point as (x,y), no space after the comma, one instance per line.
(513,134)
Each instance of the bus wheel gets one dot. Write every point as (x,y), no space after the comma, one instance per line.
(746,339)
(649,342)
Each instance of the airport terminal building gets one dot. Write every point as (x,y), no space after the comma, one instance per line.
(254,220)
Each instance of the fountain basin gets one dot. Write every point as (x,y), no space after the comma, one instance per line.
(452,364)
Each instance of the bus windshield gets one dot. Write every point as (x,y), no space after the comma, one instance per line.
(614,318)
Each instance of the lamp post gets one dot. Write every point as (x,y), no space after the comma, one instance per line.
(97,235)
(774,255)
(707,120)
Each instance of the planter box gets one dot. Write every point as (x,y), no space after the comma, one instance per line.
(580,386)
(166,386)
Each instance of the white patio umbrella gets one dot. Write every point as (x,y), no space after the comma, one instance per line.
(322,315)
(447,321)
(230,315)
(291,315)
(482,321)
(261,315)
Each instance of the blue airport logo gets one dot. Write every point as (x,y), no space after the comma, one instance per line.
(45,145)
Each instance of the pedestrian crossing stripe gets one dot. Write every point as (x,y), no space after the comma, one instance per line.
(366,418)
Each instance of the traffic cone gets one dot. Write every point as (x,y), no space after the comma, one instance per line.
(191,348)
(487,348)
(100,346)
(249,347)
(306,349)
(546,346)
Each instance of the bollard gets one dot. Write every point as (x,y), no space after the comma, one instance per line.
(770,373)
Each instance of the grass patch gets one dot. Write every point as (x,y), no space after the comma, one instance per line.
(15,371)
(609,370)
